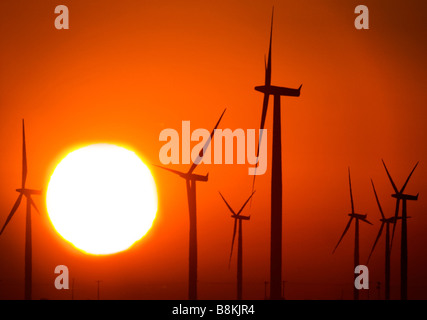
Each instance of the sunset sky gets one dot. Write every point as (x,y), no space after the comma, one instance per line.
(126,70)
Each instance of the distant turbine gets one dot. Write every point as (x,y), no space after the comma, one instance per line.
(190,180)
(27,193)
(276,177)
(399,195)
(356,233)
(237,216)
(385,222)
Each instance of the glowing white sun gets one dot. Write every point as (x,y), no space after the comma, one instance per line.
(102,198)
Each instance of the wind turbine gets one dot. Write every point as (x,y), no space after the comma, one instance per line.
(384,221)
(357,217)
(276,177)
(190,180)
(23,191)
(400,196)
(240,218)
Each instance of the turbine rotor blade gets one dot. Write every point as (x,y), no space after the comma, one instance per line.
(365,220)
(267,83)
(268,72)
(170,170)
(409,177)
(229,207)
(378,201)
(389,177)
(12,212)
(232,241)
(266,95)
(203,150)
(351,192)
(396,214)
(345,231)
(263,116)
(241,209)
(33,204)
(376,240)
(24,156)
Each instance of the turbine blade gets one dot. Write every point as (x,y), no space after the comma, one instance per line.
(241,209)
(351,192)
(376,240)
(24,156)
(267,82)
(378,201)
(12,212)
(345,231)
(266,95)
(203,150)
(409,177)
(389,176)
(365,220)
(268,72)
(170,170)
(396,214)
(263,116)
(232,241)
(33,204)
(227,203)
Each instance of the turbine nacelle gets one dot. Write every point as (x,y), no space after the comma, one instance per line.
(279,91)
(402,196)
(28,192)
(197,177)
(391,220)
(358,216)
(239,217)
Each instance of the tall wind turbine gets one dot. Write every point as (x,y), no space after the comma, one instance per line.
(400,196)
(238,217)
(23,191)
(384,221)
(190,180)
(276,177)
(357,217)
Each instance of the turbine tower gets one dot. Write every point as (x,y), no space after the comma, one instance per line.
(357,217)
(240,218)
(190,181)
(400,196)
(23,191)
(276,177)
(384,221)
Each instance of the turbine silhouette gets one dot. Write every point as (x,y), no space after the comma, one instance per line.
(276,177)
(400,196)
(357,217)
(384,221)
(240,218)
(23,191)
(190,180)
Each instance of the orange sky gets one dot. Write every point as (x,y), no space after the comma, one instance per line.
(125,71)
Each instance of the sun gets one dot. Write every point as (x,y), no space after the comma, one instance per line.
(102,199)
